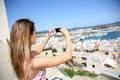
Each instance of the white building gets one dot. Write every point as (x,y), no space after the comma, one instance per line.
(6,71)
(4,31)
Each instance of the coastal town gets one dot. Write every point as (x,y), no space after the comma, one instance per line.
(92,49)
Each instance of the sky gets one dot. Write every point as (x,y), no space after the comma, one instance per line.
(67,13)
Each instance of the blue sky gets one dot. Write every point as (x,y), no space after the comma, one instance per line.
(67,13)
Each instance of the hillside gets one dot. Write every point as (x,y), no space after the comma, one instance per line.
(94,27)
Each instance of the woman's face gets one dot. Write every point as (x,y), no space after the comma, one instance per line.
(33,37)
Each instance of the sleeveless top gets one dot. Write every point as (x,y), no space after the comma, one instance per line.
(41,75)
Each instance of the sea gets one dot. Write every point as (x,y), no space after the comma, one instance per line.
(108,36)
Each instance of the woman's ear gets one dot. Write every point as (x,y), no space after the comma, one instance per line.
(33,37)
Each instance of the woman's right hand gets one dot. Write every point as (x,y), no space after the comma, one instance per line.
(64,31)
(51,33)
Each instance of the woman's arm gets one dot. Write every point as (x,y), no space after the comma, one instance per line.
(40,48)
(44,62)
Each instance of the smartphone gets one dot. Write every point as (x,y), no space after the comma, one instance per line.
(57,29)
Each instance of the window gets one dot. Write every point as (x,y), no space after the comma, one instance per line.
(93,66)
(84,58)
(84,64)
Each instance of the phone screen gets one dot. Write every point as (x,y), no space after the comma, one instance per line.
(57,29)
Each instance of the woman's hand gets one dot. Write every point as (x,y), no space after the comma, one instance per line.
(64,32)
(51,33)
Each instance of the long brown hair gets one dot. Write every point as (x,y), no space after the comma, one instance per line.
(20,42)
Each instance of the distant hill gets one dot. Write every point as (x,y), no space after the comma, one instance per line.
(107,25)
(98,26)
(39,32)
(95,27)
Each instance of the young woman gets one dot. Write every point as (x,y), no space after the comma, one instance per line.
(27,64)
